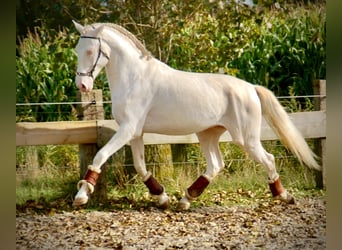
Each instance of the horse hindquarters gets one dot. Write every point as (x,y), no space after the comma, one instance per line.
(245,132)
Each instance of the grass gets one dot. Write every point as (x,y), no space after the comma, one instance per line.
(55,184)
(242,182)
(46,172)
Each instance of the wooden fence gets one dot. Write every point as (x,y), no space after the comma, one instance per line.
(310,124)
(93,131)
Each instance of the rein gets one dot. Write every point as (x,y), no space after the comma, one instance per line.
(90,73)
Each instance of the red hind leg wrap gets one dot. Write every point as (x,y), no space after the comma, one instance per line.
(197,188)
(276,187)
(153,185)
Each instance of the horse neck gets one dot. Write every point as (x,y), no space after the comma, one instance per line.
(126,61)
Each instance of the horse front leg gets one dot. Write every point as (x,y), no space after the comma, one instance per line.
(156,190)
(86,185)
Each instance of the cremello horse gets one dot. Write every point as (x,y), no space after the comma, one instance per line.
(150,97)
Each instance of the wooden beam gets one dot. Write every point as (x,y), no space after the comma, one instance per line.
(64,132)
(310,124)
(319,87)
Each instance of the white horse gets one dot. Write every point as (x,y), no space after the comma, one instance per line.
(150,97)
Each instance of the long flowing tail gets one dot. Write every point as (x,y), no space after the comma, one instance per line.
(279,120)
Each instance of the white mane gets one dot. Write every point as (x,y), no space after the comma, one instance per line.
(124,33)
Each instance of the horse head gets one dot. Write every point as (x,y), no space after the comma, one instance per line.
(93,54)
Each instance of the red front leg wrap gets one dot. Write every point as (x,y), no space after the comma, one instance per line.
(276,187)
(153,185)
(91,177)
(197,188)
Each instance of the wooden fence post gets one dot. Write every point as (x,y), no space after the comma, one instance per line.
(319,87)
(92,109)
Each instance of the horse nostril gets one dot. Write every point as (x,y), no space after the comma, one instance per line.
(82,87)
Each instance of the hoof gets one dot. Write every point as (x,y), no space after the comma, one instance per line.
(165,205)
(80,201)
(287,198)
(183,205)
(290,199)
(163,200)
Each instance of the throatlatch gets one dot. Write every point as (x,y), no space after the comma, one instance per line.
(153,185)
(197,188)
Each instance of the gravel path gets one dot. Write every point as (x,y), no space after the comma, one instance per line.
(270,225)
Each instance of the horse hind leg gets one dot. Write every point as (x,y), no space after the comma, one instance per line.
(259,154)
(209,143)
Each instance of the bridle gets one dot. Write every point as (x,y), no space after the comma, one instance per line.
(90,73)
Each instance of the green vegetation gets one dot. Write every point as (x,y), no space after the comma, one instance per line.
(281,47)
(48,172)
(45,73)
(243,182)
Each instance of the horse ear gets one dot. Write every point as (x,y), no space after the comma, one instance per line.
(78,26)
(99,30)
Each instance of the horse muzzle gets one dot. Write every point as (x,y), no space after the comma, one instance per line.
(84,85)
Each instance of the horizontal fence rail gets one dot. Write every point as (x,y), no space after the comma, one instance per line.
(310,124)
(109,102)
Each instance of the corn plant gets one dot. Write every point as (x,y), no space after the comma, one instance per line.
(46,65)
(289,51)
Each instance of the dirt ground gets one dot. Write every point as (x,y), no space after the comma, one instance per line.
(264,226)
